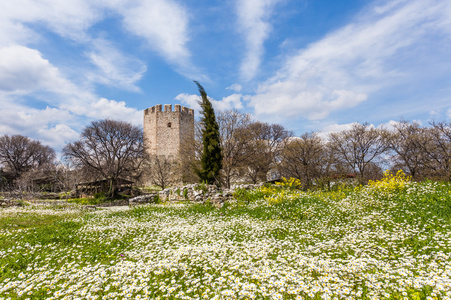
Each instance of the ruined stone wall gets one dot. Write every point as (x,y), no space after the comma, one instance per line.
(166,131)
(193,192)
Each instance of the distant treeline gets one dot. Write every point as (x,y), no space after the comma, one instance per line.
(252,151)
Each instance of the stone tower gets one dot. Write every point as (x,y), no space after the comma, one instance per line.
(167,132)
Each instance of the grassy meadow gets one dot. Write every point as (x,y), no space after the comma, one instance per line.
(388,240)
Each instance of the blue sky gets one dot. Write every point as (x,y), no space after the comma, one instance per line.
(307,64)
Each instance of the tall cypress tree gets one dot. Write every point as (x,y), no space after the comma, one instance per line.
(211,161)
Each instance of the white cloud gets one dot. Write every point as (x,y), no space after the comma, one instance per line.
(70,19)
(112,109)
(49,125)
(57,136)
(163,24)
(229,102)
(14,33)
(253,23)
(235,87)
(233,101)
(189,101)
(23,70)
(69,95)
(115,68)
(390,125)
(55,126)
(333,128)
(381,48)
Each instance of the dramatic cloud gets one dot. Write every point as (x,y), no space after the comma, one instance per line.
(253,23)
(384,46)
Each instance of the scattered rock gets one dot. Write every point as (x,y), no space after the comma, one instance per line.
(200,193)
(143,199)
(9,203)
(89,207)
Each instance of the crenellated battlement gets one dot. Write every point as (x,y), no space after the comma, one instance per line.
(168,109)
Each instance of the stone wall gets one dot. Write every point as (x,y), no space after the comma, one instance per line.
(9,203)
(193,192)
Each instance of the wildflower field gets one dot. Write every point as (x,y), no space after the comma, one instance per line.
(388,240)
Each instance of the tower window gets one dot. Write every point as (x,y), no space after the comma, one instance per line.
(169,124)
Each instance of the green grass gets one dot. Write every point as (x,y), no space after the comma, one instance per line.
(23,221)
(389,241)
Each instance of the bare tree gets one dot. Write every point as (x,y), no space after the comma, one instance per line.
(265,145)
(191,153)
(235,136)
(436,144)
(358,147)
(162,171)
(20,154)
(406,142)
(108,149)
(305,158)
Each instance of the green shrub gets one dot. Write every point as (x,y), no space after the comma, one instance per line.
(22,203)
(248,196)
(88,201)
(99,195)
(202,187)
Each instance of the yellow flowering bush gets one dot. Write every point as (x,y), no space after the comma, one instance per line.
(277,197)
(282,191)
(291,183)
(390,182)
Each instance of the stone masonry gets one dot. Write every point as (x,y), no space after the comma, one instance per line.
(193,193)
(166,132)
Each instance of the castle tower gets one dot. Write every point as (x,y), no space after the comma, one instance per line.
(167,132)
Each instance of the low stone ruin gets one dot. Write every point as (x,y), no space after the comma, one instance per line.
(8,203)
(193,192)
(143,199)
